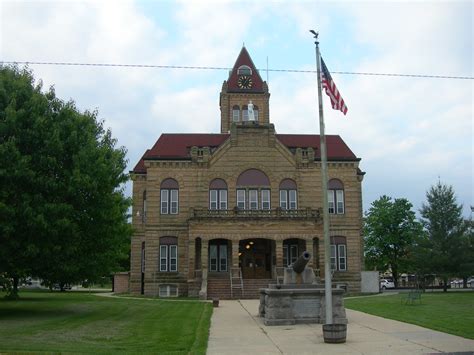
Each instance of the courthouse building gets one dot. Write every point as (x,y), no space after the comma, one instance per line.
(221,214)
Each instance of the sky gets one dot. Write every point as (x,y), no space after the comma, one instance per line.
(409,132)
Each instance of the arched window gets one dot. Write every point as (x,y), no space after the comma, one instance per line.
(245,113)
(336,196)
(288,195)
(169,196)
(251,185)
(244,70)
(168,254)
(235,113)
(218,195)
(338,253)
(144,207)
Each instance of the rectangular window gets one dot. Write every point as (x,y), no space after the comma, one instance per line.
(293,253)
(265,199)
(168,258)
(163,258)
(223,199)
(222,257)
(213,257)
(213,199)
(235,115)
(285,255)
(283,199)
(333,257)
(174,202)
(173,249)
(245,115)
(168,291)
(241,199)
(342,257)
(144,207)
(253,199)
(340,201)
(292,195)
(164,201)
(331,201)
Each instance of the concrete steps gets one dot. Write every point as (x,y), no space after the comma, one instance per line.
(220,288)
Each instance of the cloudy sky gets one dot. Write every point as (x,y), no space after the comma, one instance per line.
(409,132)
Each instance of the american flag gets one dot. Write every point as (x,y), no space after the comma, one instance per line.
(329,86)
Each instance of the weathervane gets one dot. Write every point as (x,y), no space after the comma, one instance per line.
(316,34)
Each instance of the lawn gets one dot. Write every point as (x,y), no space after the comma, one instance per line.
(80,322)
(451,312)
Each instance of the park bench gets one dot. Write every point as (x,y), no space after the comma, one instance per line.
(412,296)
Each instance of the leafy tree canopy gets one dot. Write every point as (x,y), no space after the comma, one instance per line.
(390,229)
(63,215)
(448,247)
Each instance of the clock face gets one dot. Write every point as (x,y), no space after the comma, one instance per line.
(245,82)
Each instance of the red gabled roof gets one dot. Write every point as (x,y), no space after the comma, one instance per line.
(177,146)
(244,59)
(170,146)
(337,149)
(140,167)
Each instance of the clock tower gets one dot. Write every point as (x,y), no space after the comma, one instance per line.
(242,89)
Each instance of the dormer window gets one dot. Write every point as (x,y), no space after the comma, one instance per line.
(244,70)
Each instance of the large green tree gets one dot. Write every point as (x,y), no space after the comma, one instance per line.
(444,251)
(63,214)
(390,229)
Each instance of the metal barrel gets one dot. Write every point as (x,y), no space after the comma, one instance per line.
(300,263)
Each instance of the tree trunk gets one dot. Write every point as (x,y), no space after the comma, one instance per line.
(14,291)
(445,284)
(395,278)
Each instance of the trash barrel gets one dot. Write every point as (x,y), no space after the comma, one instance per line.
(334,333)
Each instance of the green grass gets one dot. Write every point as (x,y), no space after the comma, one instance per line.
(451,312)
(79,322)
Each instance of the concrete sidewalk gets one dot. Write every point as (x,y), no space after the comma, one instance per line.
(237,329)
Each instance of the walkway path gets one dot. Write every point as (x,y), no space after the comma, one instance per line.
(236,329)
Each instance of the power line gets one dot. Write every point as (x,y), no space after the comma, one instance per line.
(223,68)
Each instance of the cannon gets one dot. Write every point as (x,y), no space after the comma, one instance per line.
(299,265)
(298,272)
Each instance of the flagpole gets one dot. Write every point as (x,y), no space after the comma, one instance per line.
(324,176)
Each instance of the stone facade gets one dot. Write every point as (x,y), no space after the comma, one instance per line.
(242,146)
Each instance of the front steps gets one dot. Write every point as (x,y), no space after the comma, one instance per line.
(220,288)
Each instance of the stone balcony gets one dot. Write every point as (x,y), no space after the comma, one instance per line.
(276,213)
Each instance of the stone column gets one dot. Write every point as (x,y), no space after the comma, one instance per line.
(235,253)
(191,255)
(279,252)
(204,254)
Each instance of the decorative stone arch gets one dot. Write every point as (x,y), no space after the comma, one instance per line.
(169,183)
(218,184)
(335,184)
(288,184)
(253,177)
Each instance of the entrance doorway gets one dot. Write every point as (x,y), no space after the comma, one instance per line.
(256,258)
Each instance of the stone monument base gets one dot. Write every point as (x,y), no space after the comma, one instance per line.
(299,304)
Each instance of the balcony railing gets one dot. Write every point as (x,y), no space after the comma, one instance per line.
(277,213)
